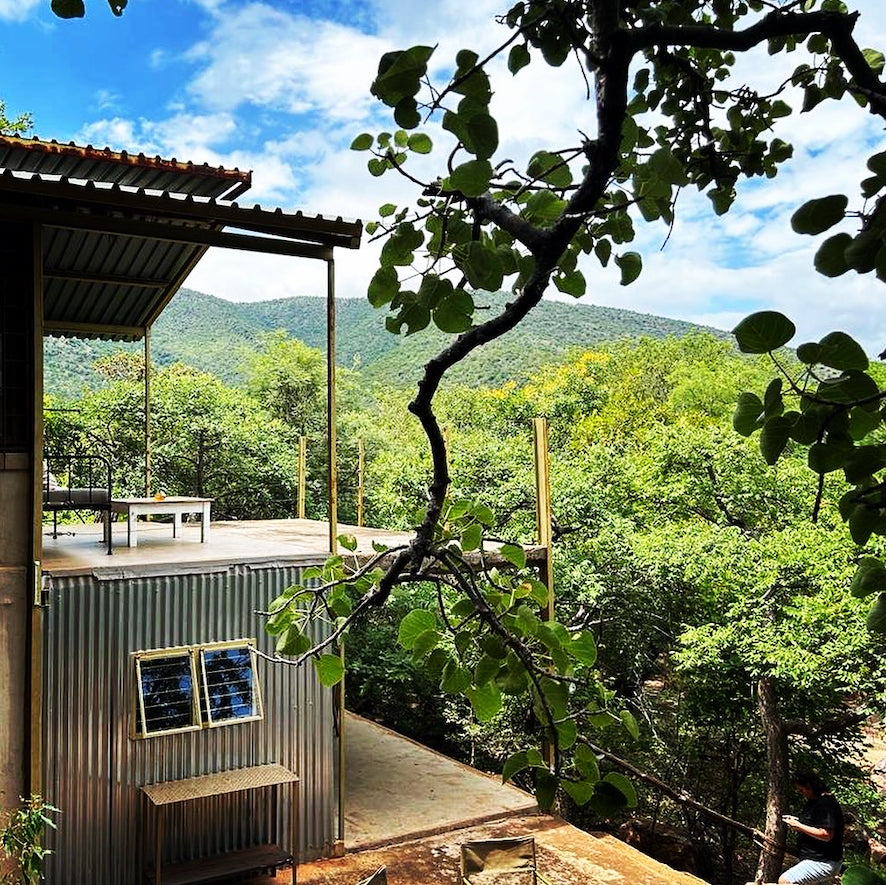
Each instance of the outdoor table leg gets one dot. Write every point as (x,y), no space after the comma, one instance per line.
(131,528)
(204,523)
(176,523)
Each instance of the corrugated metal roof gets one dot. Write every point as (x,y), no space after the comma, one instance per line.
(119,167)
(116,248)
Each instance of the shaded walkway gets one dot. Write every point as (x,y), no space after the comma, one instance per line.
(397,789)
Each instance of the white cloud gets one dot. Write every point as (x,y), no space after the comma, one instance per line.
(17,10)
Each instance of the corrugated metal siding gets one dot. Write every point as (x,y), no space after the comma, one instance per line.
(93,770)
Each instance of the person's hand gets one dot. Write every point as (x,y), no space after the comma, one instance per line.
(791,820)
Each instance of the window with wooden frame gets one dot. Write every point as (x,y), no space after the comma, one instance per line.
(187,688)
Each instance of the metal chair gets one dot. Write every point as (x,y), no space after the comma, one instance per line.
(379,877)
(510,861)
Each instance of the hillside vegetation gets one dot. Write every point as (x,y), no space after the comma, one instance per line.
(215,335)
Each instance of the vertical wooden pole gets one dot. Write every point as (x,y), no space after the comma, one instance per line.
(330,405)
(302,475)
(342,756)
(35,671)
(147,411)
(543,507)
(545,533)
(361,470)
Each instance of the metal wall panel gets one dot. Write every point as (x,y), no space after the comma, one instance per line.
(93,769)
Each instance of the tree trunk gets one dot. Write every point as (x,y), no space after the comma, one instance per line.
(772,855)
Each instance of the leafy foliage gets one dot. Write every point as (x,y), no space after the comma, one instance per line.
(828,404)
(21,839)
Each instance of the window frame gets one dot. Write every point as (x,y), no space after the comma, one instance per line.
(257,706)
(201,715)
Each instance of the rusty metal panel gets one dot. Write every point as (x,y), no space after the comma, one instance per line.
(94,769)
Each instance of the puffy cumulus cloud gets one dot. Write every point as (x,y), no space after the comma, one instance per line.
(260,55)
(183,136)
(17,10)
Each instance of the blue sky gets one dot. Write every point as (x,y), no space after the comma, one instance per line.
(282,88)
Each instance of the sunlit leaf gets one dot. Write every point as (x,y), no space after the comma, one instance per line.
(330,669)
(413,625)
(763,331)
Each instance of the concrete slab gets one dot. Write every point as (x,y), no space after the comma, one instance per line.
(397,789)
(565,856)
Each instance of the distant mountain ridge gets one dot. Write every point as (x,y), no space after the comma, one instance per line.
(215,335)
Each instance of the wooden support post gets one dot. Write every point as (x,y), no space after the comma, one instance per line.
(330,406)
(147,411)
(543,507)
(302,475)
(361,471)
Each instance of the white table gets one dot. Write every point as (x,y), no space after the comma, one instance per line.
(135,507)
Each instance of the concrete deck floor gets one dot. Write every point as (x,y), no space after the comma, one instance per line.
(410,809)
(295,541)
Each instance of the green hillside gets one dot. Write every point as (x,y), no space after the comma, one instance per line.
(212,334)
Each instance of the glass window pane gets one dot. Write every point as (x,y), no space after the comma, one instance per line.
(166,685)
(231,684)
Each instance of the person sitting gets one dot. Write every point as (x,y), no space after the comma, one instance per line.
(819,828)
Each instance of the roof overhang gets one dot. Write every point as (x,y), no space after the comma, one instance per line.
(115,253)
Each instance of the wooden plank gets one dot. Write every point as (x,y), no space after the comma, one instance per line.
(222,782)
(219,867)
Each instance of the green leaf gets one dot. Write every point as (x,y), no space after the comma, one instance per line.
(631,265)
(471,537)
(400,246)
(456,680)
(485,701)
(545,789)
(481,136)
(607,800)
(293,642)
(826,458)
(487,668)
(816,216)
(481,265)
(763,332)
(471,178)
(454,313)
(515,763)
(400,74)
(830,259)
(573,283)
(579,791)
(870,577)
(518,57)
(514,554)
(584,648)
(630,724)
(69,8)
(363,142)
(544,208)
(863,522)
(420,143)
(349,542)
(330,669)
(774,437)
(567,732)
(424,644)
(383,286)
(413,625)
(874,58)
(859,874)
(840,351)
(550,168)
(406,113)
(586,763)
(748,415)
(624,786)
(876,620)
